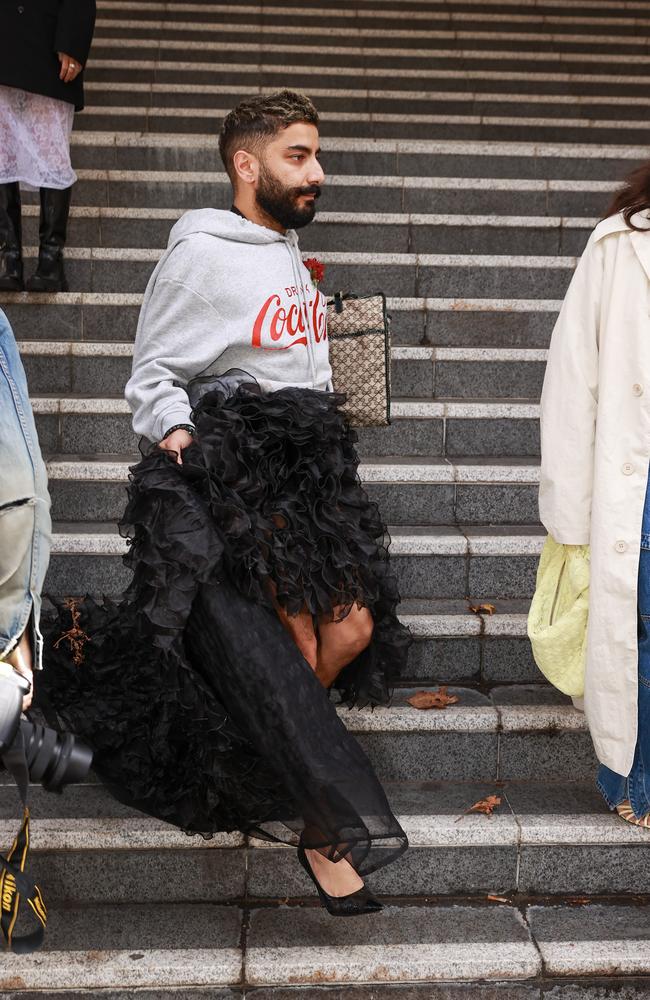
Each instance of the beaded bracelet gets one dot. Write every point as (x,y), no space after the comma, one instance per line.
(180,427)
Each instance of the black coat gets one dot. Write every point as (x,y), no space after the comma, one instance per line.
(31,34)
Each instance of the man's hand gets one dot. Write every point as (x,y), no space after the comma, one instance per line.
(70,68)
(177,441)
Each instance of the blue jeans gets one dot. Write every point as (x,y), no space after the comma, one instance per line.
(636,786)
(25,526)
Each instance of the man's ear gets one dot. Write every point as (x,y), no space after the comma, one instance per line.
(246,166)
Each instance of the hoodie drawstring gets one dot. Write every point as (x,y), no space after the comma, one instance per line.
(296,266)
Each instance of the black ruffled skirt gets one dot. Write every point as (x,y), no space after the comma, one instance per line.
(198,705)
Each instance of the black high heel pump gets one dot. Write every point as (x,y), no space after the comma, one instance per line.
(353,905)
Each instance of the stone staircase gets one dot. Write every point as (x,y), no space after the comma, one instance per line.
(470,146)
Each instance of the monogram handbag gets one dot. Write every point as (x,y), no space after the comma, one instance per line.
(358,330)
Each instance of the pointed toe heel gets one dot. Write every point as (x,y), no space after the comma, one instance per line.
(354,905)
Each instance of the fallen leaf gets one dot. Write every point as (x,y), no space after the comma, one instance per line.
(432,699)
(482,609)
(485,806)
(498,899)
(578,900)
(75,636)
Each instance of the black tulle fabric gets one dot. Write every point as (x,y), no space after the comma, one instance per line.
(199,706)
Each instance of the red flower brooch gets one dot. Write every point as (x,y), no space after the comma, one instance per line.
(316,270)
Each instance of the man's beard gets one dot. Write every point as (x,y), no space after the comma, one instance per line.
(281,203)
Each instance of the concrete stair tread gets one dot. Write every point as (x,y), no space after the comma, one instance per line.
(446,18)
(435,943)
(99,538)
(605,117)
(404,259)
(434,814)
(180,946)
(404,181)
(115,348)
(31,210)
(395,469)
(131,946)
(421,408)
(484,148)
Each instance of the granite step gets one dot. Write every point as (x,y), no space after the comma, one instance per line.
(426,194)
(544,839)
(617,75)
(443,322)
(333,100)
(103,368)
(192,950)
(419,428)
(439,27)
(429,562)
(575,11)
(394,232)
(482,648)
(453,120)
(408,491)
(512,732)
(492,49)
(385,157)
(101,269)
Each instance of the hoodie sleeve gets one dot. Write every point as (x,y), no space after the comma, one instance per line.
(178,337)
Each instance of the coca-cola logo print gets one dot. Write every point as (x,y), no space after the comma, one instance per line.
(288,318)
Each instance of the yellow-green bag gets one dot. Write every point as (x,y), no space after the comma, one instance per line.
(557,621)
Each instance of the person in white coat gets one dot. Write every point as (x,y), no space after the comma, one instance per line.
(595,423)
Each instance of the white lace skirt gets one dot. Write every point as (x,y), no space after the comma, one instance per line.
(35,140)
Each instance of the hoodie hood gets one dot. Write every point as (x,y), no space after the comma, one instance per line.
(226,225)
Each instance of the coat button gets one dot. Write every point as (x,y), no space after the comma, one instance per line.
(637,389)
(628,469)
(621,546)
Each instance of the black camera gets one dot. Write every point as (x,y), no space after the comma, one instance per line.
(54,759)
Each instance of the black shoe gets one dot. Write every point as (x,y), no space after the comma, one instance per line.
(11,258)
(50,275)
(354,905)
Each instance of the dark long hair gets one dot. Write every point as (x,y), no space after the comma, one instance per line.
(634,196)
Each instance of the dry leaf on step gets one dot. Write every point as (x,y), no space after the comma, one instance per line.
(482,609)
(485,806)
(432,699)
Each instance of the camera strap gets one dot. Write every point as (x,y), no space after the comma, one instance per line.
(14,883)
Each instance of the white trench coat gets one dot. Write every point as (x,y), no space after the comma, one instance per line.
(595,454)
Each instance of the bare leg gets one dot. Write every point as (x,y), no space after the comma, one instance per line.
(340,642)
(337,644)
(301,629)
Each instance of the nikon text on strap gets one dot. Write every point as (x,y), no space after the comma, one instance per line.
(14,883)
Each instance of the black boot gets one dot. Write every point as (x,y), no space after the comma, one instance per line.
(50,276)
(11,255)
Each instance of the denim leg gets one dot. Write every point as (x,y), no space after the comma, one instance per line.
(639,779)
(25,526)
(636,787)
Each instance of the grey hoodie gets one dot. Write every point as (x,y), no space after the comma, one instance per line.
(225,294)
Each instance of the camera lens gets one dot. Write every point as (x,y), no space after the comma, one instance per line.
(54,759)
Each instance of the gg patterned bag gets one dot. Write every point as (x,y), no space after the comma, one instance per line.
(359,338)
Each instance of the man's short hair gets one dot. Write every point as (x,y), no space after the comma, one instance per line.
(256,120)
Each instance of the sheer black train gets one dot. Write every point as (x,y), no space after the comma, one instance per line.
(199,706)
